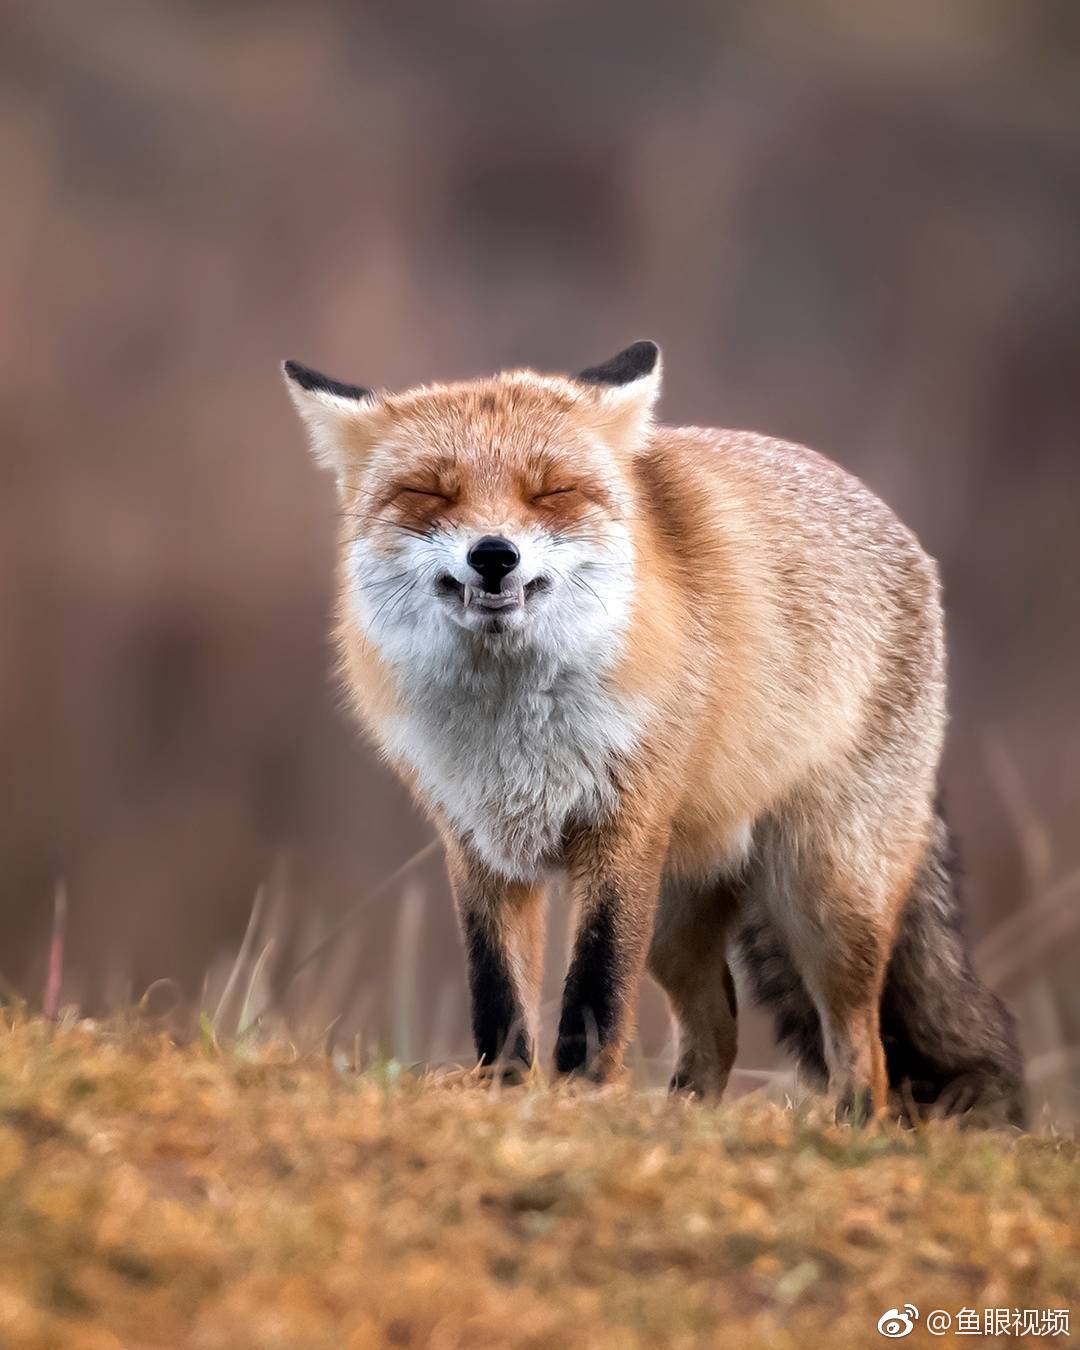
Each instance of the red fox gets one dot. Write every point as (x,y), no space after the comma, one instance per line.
(701,674)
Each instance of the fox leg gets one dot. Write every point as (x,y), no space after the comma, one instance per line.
(843,963)
(688,960)
(502,923)
(838,911)
(845,977)
(855,1056)
(615,883)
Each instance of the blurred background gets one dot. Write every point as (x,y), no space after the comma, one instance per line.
(853,226)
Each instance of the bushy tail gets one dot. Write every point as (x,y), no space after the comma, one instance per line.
(949,1041)
(946,1035)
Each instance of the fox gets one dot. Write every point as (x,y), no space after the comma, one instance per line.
(697,674)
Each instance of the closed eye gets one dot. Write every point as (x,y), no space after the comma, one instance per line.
(553,492)
(424,492)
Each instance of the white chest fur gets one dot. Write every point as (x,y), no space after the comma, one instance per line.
(513,753)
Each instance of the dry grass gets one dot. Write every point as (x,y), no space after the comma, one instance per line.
(153,1195)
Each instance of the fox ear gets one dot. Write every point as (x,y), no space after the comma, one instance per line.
(626,389)
(335,414)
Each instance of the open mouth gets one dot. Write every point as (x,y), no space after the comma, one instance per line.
(490,602)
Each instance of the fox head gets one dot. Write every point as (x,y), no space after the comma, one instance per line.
(492,515)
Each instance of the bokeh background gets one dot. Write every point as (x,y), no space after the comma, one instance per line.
(854,226)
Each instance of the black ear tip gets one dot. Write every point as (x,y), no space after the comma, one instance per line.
(314,380)
(644,354)
(300,374)
(634,363)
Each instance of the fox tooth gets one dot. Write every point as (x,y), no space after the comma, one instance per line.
(468,595)
(520,595)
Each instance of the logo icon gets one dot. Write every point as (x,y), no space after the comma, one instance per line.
(898,1323)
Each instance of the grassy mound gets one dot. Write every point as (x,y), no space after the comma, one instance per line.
(161,1196)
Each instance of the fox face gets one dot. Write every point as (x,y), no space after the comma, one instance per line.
(491,517)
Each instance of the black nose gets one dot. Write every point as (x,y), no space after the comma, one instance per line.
(493,556)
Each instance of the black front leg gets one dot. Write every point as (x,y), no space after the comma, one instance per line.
(498,1019)
(616,874)
(593,994)
(502,924)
